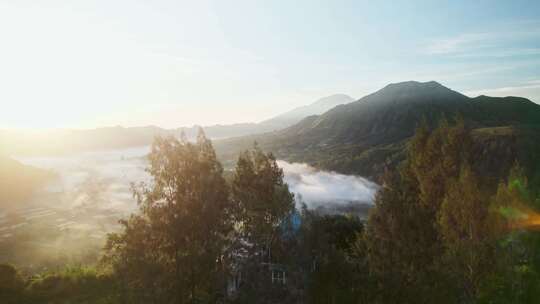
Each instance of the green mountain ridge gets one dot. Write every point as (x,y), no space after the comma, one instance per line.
(370,134)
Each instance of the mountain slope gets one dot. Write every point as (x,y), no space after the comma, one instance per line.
(296,115)
(279,122)
(369,134)
(392,111)
(18,182)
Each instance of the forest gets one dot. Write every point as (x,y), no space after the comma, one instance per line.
(440,231)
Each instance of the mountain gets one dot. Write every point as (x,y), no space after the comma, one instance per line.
(296,115)
(273,124)
(384,116)
(393,112)
(365,136)
(67,141)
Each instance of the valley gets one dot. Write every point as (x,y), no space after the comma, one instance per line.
(69,216)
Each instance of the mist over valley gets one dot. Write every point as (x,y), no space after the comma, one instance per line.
(70,216)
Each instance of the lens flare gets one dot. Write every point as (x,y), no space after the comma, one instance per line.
(521,218)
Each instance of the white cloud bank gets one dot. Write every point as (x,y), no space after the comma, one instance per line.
(102,180)
(323,188)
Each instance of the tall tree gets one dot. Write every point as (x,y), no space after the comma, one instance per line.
(403,238)
(469,232)
(399,241)
(263,205)
(173,250)
(326,243)
(262,199)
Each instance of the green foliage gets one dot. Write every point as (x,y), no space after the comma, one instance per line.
(438,233)
(433,234)
(519,280)
(469,231)
(173,251)
(260,175)
(261,197)
(73,285)
(263,204)
(336,275)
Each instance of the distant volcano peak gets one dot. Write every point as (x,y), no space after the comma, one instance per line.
(416,85)
(415,91)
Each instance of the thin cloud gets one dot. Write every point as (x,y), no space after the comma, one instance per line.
(504,53)
(487,44)
(456,44)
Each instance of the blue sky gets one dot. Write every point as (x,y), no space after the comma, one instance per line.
(177,63)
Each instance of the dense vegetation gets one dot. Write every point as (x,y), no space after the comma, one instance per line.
(440,232)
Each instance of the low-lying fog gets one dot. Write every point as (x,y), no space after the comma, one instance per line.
(92,192)
(102,179)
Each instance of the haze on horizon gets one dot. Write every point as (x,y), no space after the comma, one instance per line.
(178,63)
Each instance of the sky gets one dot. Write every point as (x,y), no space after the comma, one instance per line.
(85,64)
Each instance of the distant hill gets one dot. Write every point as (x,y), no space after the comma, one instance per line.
(67,141)
(365,136)
(14,142)
(224,131)
(279,122)
(18,182)
(296,115)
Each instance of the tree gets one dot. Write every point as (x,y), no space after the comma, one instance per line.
(326,246)
(263,204)
(400,242)
(261,197)
(174,249)
(404,239)
(469,231)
